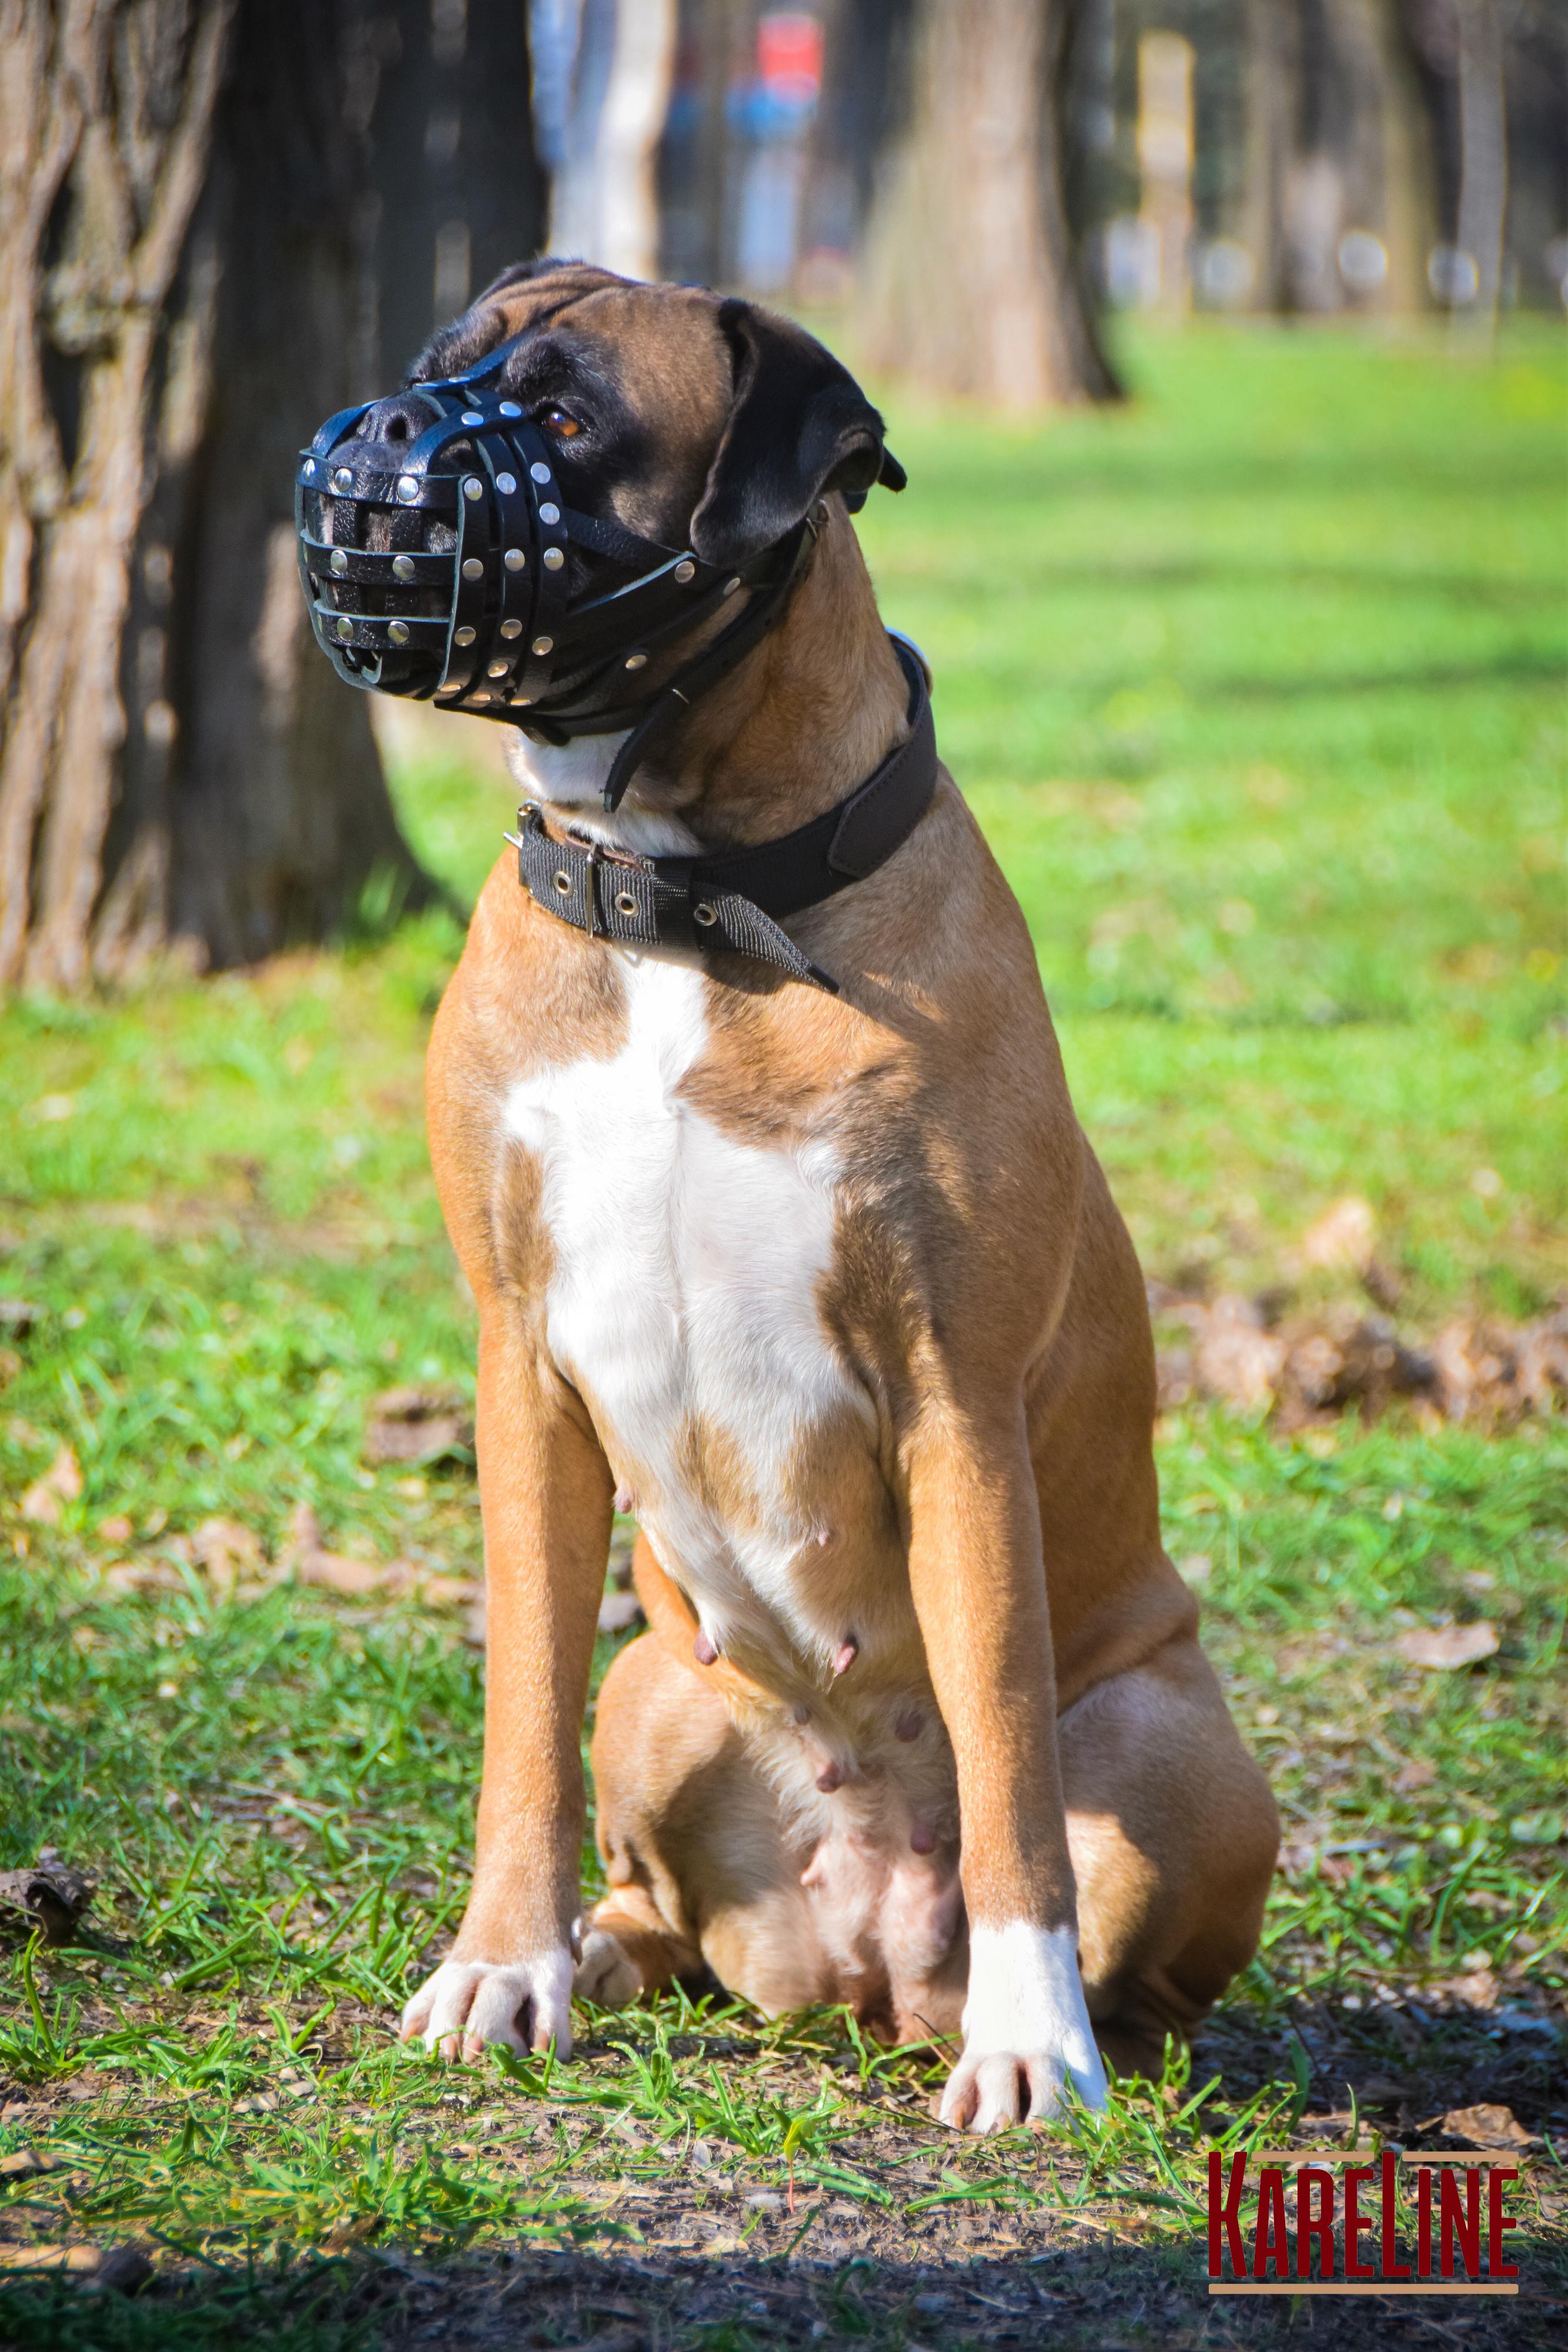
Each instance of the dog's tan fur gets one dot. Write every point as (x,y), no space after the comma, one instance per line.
(990,1534)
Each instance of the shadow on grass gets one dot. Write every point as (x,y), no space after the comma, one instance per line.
(1106,2295)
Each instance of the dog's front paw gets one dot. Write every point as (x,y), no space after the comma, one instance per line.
(1025,2032)
(524,2004)
(606,1975)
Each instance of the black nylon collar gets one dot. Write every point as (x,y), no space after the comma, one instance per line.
(734,898)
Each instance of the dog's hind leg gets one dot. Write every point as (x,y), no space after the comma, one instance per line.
(700,1872)
(1174,1837)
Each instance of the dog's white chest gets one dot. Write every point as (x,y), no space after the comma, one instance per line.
(683,1298)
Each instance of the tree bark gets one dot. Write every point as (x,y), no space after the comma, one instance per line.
(253,813)
(1483,161)
(1336,139)
(1409,199)
(457,189)
(1386,147)
(1271,79)
(110,109)
(973,285)
(217,227)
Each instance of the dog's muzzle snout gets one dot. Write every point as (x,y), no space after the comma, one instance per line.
(440,558)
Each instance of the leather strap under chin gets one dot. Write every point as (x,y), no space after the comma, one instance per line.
(734,898)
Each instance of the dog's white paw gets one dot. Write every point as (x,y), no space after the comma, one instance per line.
(605,1974)
(1025,2032)
(526,2005)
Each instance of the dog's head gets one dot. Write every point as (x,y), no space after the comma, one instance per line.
(692,419)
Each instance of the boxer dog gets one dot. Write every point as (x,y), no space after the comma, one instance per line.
(827,1289)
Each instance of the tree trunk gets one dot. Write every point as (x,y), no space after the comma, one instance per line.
(1483,164)
(203,252)
(1273,68)
(1337,140)
(1410,210)
(1384,148)
(108,114)
(603,202)
(972,282)
(457,189)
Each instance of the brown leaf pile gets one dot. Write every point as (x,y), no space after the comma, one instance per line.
(1308,1366)
(307,1560)
(231,1556)
(418,1425)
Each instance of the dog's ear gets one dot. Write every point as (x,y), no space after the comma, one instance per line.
(798,425)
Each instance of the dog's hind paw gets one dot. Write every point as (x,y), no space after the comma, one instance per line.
(605,1974)
(524,2005)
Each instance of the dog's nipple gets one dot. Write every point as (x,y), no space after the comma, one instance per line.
(825,1536)
(922,1837)
(625,1500)
(705,1649)
(846,1654)
(800,1713)
(829,1778)
(909,1725)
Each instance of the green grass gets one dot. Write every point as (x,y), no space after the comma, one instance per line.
(1256,688)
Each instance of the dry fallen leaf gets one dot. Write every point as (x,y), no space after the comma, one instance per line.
(1343,1237)
(1478,1989)
(121,2269)
(116,1528)
(1449,1646)
(447,1591)
(1235,1358)
(52,1895)
(226,1547)
(419,1423)
(49,2258)
(309,1561)
(61,1483)
(1486,2126)
(1418,1773)
(143,1576)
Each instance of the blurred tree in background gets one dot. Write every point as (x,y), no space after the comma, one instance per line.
(222,219)
(973,282)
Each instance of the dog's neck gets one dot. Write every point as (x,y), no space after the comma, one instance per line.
(805,718)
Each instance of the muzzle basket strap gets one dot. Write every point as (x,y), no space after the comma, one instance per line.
(729,647)
(470,634)
(549,562)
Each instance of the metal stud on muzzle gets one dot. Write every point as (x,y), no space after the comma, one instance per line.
(446,566)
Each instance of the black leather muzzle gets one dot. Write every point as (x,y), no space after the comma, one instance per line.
(440,561)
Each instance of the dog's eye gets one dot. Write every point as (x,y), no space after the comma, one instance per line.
(557,422)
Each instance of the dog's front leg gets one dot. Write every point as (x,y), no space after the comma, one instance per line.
(546,1491)
(979,1585)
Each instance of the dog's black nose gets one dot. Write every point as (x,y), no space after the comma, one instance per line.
(395,421)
